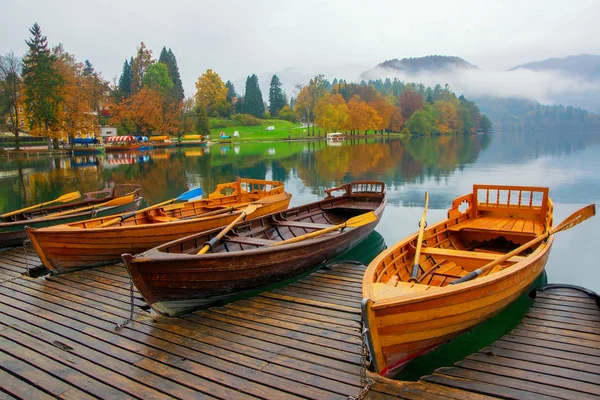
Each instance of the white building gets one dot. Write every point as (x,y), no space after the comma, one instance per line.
(106,131)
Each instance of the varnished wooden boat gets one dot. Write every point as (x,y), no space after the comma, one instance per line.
(174,279)
(67,247)
(406,317)
(12,228)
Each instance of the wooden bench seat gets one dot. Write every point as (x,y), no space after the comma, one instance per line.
(250,240)
(501,224)
(303,224)
(434,251)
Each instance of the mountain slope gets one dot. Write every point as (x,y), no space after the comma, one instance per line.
(586,66)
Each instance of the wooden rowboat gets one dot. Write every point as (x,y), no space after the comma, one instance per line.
(101,241)
(174,279)
(12,227)
(408,314)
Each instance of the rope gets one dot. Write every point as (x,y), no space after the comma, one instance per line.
(363,369)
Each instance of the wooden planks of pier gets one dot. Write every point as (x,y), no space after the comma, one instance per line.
(302,340)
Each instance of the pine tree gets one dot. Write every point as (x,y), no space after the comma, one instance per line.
(230,92)
(253,100)
(276,96)
(168,58)
(42,84)
(125,80)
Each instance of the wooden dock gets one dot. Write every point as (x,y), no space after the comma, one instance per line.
(58,339)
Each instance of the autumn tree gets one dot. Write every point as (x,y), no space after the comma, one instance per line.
(276,96)
(11,110)
(77,112)
(211,93)
(140,113)
(446,115)
(288,114)
(253,100)
(41,87)
(384,109)
(308,97)
(361,116)
(332,113)
(139,66)
(168,58)
(396,121)
(409,102)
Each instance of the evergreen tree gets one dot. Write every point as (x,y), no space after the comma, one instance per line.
(168,58)
(276,96)
(88,68)
(42,84)
(230,92)
(125,80)
(253,100)
(202,123)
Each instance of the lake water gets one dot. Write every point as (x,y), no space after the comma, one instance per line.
(447,167)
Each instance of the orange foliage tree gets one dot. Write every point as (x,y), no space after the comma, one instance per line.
(446,115)
(331,113)
(409,102)
(384,109)
(140,113)
(362,116)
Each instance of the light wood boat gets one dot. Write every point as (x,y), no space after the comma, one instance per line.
(174,279)
(101,241)
(406,317)
(12,228)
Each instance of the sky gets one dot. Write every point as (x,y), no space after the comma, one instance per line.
(298,39)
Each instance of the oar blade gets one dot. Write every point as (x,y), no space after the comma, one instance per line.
(361,220)
(68,197)
(577,217)
(190,194)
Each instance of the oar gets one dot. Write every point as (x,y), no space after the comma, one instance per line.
(416,264)
(63,199)
(118,201)
(190,194)
(354,222)
(572,220)
(212,242)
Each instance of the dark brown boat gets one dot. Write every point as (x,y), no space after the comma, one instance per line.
(174,279)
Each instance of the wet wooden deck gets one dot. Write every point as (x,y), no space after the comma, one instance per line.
(58,339)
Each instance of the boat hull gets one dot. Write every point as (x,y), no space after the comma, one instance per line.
(174,288)
(405,331)
(64,248)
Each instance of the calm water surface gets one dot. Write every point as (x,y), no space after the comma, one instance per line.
(446,167)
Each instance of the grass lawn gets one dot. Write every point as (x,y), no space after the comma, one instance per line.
(283,130)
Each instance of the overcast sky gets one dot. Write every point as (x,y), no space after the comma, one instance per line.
(300,38)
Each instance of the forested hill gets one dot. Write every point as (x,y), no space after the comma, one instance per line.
(586,66)
(428,63)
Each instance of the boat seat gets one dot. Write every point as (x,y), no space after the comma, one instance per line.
(434,251)
(302,224)
(518,226)
(383,290)
(250,240)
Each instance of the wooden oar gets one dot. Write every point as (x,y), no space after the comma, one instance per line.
(118,201)
(184,196)
(416,263)
(62,199)
(354,222)
(576,218)
(212,242)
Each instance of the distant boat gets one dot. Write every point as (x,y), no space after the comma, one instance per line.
(122,143)
(336,137)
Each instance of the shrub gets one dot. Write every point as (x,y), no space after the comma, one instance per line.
(247,120)
(288,114)
(221,123)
